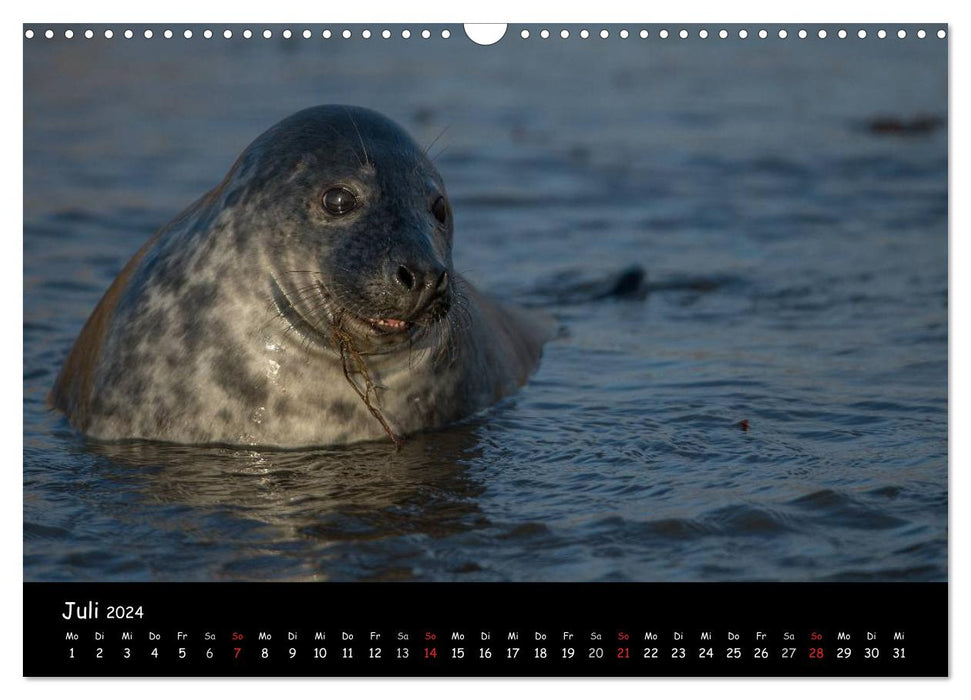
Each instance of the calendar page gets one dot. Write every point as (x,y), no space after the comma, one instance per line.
(507,350)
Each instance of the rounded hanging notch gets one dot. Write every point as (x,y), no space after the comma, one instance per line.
(485,34)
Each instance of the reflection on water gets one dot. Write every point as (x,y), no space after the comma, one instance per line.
(788,202)
(327,500)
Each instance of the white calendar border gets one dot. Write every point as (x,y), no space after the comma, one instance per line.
(438,11)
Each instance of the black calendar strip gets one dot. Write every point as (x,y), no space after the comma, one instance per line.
(431,629)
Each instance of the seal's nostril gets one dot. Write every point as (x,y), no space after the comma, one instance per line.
(442,282)
(405,277)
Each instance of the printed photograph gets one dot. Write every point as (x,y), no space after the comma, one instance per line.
(378,303)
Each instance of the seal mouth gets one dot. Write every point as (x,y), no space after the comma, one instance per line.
(379,333)
(382,331)
(388,330)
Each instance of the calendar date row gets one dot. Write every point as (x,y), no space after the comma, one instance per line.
(486,653)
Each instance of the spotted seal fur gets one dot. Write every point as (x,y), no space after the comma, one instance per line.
(309,299)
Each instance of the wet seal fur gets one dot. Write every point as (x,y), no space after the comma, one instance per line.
(309,299)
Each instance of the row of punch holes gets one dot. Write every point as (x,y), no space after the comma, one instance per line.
(446,34)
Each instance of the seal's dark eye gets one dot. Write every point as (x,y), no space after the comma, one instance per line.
(339,201)
(440,210)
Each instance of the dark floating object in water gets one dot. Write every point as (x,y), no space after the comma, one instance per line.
(630,283)
(896,126)
(575,287)
(743,425)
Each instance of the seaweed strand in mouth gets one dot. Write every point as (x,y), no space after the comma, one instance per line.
(349,353)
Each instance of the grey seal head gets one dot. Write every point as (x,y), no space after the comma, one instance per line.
(309,299)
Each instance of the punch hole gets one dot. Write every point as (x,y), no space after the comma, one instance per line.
(366,34)
(247,34)
(149,34)
(68,34)
(684,34)
(783,33)
(882,34)
(386,34)
(861,33)
(941,34)
(584,33)
(921,34)
(821,33)
(803,33)
(564,34)
(109,34)
(603,33)
(207,34)
(29,34)
(742,34)
(624,33)
(307,34)
(49,34)
(287,34)
(346,33)
(129,33)
(524,34)
(446,34)
(723,34)
(703,34)
(545,34)
(643,34)
(901,34)
(763,34)
(267,34)
(663,33)
(227,34)
(487,34)
(425,34)
(405,33)
(187,33)
(88,34)
(326,34)
(167,33)
(841,33)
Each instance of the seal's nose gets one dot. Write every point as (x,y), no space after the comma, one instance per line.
(420,284)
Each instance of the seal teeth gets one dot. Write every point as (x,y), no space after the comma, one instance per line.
(394,323)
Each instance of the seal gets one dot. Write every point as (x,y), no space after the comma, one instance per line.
(309,299)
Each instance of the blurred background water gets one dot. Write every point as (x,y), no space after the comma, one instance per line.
(775,409)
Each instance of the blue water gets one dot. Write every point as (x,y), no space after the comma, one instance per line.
(797,268)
